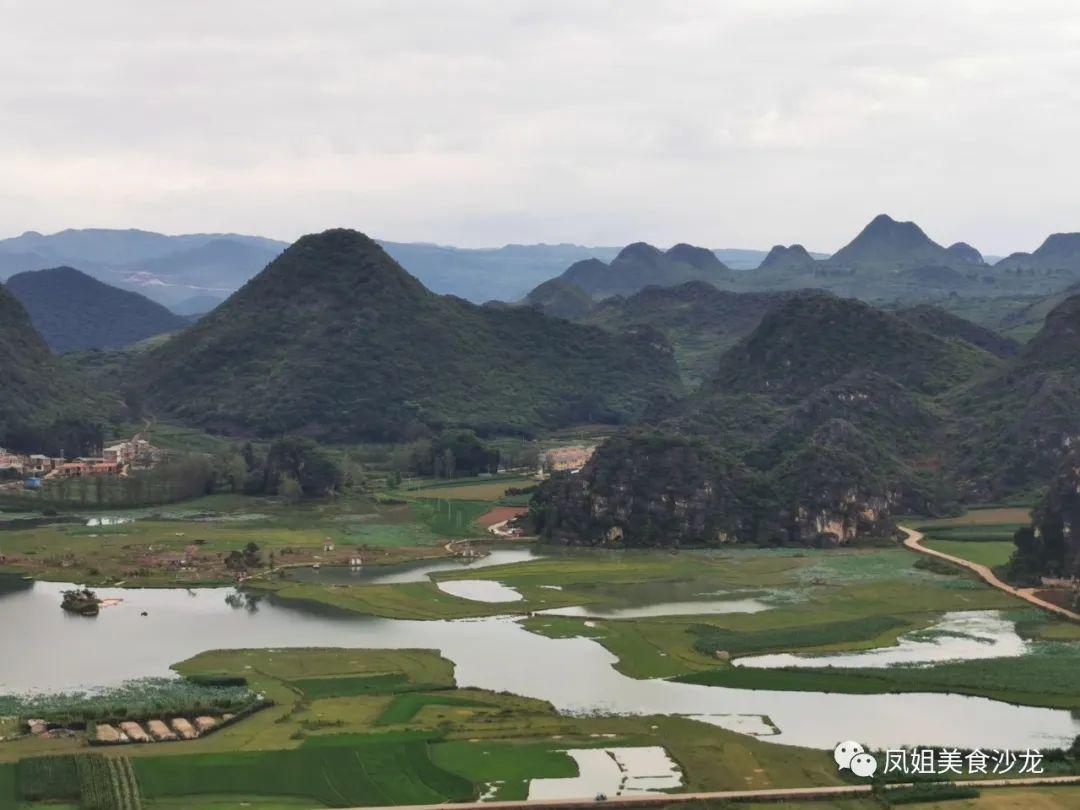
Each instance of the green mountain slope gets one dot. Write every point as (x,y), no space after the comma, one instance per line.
(700,321)
(43,408)
(814,339)
(820,423)
(560,298)
(884,241)
(71,310)
(641,265)
(1058,252)
(334,339)
(947,325)
(1021,420)
(780,257)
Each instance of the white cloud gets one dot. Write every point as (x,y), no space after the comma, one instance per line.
(736,123)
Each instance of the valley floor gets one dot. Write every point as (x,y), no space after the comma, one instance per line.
(393,726)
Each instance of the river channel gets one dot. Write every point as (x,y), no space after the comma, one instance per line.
(42,648)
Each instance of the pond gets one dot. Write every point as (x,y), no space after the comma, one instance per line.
(45,648)
(959,636)
(613,772)
(416,571)
(479,590)
(705,606)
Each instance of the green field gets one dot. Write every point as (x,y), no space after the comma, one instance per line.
(510,765)
(361,772)
(991,553)
(145,550)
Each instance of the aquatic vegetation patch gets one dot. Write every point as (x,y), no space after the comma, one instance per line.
(133,699)
(711,639)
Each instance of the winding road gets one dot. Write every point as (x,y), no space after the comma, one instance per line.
(913,541)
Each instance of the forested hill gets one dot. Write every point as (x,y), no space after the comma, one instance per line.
(813,428)
(71,310)
(699,320)
(42,407)
(1021,420)
(334,339)
(640,265)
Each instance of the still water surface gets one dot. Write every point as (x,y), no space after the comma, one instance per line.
(406,572)
(44,648)
(959,636)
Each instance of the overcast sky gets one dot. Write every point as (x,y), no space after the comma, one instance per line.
(727,124)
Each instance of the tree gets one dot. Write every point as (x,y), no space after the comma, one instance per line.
(289,488)
(449,463)
(303,460)
(235,472)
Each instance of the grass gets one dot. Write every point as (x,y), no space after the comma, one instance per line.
(1046,676)
(234,802)
(711,639)
(990,553)
(510,766)
(144,552)
(990,516)
(404,708)
(376,773)
(9,791)
(46,778)
(352,686)
(107,783)
(482,489)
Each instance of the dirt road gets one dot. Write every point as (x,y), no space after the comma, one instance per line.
(773,794)
(913,541)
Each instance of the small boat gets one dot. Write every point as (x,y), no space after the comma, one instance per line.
(82,601)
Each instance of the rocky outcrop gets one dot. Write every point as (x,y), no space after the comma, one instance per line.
(663,490)
(813,430)
(1058,522)
(643,490)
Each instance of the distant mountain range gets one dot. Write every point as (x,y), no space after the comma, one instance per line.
(71,310)
(192,273)
(167,269)
(888,261)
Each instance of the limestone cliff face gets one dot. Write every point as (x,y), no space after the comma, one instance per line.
(1058,519)
(644,491)
(657,490)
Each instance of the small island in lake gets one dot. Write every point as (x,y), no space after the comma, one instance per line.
(82,601)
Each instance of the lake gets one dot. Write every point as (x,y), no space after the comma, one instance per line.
(45,648)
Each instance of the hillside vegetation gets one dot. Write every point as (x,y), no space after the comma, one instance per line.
(699,320)
(71,310)
(335,340)
(43,407)
(813,429)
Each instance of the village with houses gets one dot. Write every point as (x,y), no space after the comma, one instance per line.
(30,471)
